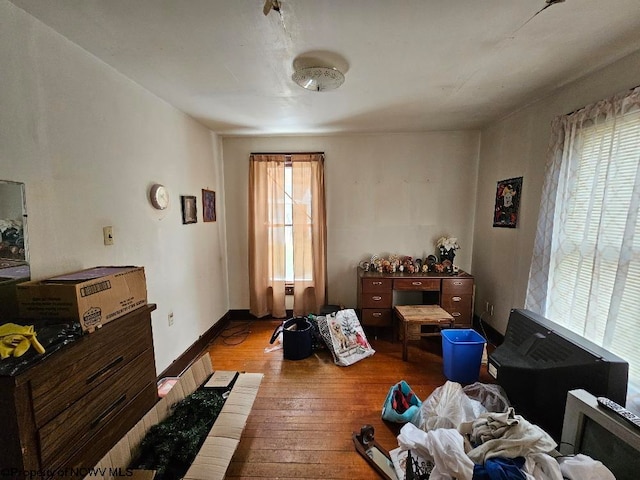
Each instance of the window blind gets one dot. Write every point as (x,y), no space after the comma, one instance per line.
(595,273)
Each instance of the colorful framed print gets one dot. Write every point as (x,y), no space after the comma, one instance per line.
(508,194)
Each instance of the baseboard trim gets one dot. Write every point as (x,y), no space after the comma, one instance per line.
(192,353)
(236,315)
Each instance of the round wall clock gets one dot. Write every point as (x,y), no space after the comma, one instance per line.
(159,196)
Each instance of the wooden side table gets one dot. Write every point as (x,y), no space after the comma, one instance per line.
(413,317)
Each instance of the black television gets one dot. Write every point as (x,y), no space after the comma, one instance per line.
(540,361)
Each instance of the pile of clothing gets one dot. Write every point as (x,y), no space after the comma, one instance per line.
(455,436)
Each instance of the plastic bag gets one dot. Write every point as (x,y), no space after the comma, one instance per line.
(401,403)
(344,337)
(447,407)
(491,396)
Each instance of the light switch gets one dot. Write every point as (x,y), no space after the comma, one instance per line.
(107,232)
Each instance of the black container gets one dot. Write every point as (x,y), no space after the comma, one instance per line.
(297,338)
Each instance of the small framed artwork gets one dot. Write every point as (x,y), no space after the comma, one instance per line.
(189,210)
(208,205)
(507,202)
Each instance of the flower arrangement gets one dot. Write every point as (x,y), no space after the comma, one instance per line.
(448,243)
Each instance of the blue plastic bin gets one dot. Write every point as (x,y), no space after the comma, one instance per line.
(462,354)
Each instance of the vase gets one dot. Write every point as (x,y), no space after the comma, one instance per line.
(447,254)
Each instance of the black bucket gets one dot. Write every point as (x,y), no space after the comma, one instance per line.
(297,338)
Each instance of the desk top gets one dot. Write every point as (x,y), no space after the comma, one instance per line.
(423,314)
(415,276)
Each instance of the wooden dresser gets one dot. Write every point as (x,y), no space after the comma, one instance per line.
(69,409)
(454,293)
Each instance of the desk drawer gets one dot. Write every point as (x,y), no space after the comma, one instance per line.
(417,284)
(376,285)
(457,286)
(459,307)
(376,300)
(377,317)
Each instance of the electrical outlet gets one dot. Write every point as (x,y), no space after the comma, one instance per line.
(488,307)
(170,317)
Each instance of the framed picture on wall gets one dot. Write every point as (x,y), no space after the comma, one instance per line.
(208,205)
(189,210)
(508,194)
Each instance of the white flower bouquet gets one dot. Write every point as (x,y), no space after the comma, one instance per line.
(448,243)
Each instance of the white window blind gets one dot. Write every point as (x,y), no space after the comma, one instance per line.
(594,274)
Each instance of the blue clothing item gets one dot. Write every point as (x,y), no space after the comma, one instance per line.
(500,469)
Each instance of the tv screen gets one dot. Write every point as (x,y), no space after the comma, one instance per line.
(540,361)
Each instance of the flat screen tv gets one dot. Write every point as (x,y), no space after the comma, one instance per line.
(540,361)
(601,434)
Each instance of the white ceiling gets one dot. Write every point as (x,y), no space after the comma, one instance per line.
(410,65)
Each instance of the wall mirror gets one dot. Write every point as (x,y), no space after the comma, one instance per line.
(14,249)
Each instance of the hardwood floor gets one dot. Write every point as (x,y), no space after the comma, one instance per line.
(301,423)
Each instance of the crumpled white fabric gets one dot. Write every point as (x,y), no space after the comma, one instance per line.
(506,435)
(445,447)
(541,466)
(583,467)
(447,407)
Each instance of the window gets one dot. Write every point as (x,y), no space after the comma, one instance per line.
(287,233)
(586,269)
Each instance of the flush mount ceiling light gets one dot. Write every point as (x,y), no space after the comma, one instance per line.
(318,79)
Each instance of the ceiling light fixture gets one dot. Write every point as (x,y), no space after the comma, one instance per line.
(318,79)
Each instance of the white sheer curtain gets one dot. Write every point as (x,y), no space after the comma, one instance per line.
(269,244)
(585,271)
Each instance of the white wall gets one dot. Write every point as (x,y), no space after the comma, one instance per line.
(386,193)
(88,143)
(516,146)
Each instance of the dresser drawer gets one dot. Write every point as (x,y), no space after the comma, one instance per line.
(458,286)
(377,317)
(92,361)
(110,433)
(376,285)
(376,300)
(80,421)
(418,284)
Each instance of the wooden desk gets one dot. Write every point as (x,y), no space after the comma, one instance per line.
(453,293)
(413,317)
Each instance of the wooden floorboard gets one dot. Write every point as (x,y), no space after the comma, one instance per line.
(301,423)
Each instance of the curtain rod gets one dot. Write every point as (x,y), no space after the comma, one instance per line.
(287,154)
(578,109)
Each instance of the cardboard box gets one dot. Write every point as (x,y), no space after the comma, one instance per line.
(92,297)
(214,457)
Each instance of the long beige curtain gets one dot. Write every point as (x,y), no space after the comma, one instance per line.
(267,234)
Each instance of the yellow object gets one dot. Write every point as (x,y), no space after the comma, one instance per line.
(15,340)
